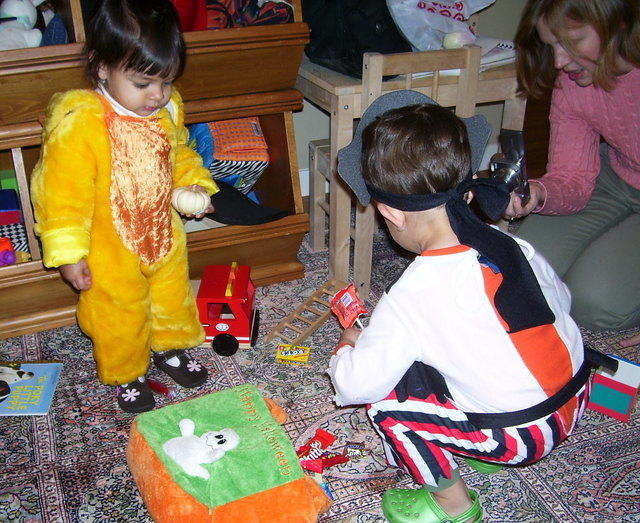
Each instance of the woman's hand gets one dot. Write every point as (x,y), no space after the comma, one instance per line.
(77,274)
(516,209)
(208,210)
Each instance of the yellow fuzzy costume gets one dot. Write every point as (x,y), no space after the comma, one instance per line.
(101,192)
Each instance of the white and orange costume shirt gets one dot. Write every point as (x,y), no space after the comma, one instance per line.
(441,312)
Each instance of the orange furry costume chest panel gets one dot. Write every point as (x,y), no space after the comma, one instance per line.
(140,190)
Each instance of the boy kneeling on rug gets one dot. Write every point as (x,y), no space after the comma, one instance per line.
(472,351)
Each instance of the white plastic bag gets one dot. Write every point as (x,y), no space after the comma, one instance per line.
(424,24)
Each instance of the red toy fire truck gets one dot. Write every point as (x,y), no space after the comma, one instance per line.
(225,305)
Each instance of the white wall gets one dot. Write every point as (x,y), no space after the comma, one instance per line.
(499,20)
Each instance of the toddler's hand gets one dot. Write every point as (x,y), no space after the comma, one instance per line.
(77,274)
(208,210)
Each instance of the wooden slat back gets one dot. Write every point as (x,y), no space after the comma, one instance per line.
(25,202)
(376,66)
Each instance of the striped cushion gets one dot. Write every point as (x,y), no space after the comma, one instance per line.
(241,175)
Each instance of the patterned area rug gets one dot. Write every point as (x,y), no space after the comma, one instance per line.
(70,465)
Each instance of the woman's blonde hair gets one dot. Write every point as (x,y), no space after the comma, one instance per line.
(616,22)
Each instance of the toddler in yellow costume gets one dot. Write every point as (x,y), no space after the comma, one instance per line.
(102,198)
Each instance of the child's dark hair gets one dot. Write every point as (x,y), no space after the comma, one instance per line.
(417,149)
(138,35)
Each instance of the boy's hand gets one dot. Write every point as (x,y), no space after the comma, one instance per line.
(77,274)
(348,337)
(208,210)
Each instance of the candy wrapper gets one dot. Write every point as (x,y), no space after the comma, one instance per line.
(314,448)
(348,307)
(355,450)
(313,455)
(292,354)
(161,388)
(323,484)
(326,460)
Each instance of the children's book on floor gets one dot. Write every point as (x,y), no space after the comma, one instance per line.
(27,388)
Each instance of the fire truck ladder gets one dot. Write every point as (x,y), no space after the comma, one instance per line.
(308,317)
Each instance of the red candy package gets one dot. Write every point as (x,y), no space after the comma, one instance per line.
(313,455)
(314,448)
(326,460)
(347,306)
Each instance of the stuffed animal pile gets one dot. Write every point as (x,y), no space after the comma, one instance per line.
(17,22)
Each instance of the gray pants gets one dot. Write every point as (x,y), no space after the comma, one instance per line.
(596,252)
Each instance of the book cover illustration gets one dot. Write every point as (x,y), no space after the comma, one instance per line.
(614,393)
(26,389)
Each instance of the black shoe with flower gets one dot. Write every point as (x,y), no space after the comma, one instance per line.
(136,396)
(181,367)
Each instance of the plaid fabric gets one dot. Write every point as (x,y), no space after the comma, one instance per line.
(17,234)
(420,436)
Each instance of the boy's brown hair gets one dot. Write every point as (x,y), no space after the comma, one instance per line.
(416,149)
(616,22)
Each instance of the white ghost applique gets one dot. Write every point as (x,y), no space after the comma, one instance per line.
(191,451)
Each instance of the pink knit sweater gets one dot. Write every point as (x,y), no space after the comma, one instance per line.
(579,116)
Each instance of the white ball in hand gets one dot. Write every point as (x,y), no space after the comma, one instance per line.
(188,200)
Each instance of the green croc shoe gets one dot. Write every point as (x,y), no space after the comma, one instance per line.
(483,466)
(419,506)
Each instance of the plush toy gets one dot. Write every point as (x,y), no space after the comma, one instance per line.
(224,458)
(18,30)
(191,451)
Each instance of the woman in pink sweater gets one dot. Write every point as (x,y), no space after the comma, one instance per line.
(587,206)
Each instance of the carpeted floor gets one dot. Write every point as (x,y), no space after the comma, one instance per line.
(70,465)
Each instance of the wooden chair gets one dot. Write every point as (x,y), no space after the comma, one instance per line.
(319,171)
(411,68)
(375,67)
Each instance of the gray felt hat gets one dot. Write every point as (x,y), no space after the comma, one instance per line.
(349,167)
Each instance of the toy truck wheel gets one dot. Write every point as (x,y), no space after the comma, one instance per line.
(225,344)
(255,325)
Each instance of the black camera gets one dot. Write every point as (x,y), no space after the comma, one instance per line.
(509,165)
